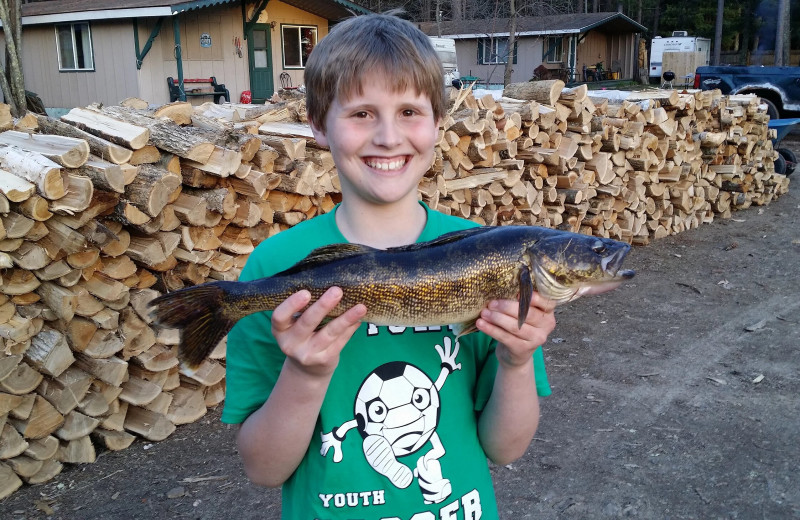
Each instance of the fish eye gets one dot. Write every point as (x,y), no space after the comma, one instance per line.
(376,411)
(421,398)
(599,248)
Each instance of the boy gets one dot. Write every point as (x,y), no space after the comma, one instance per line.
(360,421)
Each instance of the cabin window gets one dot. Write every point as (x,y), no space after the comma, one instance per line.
(74,44)
(298,42)
(494,50)
(553,49)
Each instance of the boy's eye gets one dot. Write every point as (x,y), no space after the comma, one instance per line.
(408,112)
(362,114)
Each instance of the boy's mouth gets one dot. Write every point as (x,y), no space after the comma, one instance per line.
(386,164)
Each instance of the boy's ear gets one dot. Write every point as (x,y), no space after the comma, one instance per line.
(319,134)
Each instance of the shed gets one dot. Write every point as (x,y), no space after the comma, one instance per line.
(562,44)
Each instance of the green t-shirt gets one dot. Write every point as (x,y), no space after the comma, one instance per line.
(398,425)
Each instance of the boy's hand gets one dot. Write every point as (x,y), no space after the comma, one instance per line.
(516,345)
(309,348)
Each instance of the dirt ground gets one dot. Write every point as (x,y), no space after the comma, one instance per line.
(675,396)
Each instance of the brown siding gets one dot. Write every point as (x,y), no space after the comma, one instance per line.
(219,60)
(529,56)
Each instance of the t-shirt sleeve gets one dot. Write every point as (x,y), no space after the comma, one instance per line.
(253,363)
(253,360)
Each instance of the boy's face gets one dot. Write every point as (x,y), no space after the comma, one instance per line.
(382,141)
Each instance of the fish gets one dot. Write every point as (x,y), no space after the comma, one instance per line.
(445,281)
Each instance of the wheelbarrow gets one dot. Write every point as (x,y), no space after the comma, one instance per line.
(787,160)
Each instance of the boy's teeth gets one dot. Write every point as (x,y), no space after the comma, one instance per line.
(386,166)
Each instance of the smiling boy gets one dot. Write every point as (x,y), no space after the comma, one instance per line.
(352,419)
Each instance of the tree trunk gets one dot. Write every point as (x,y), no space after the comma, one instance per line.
(512,38)
(718,32)
(11,80)
(783,42)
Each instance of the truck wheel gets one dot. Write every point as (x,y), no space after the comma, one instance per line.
(780,165)
(790,158)
(772,110)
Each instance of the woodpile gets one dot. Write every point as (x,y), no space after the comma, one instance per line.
(108,207)
(102,210)
(652,165)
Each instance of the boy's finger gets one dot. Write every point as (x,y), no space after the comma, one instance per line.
(313,316)
(283,316)
(347,323)
(545,304)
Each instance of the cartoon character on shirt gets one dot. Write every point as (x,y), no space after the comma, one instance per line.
(396,413)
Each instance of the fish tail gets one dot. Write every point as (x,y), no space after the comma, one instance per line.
(199,314)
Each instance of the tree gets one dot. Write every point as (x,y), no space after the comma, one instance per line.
(718,32)
(512,39)
(783,39)
(11,79)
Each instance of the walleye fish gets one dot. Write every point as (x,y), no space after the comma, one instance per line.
(446,281)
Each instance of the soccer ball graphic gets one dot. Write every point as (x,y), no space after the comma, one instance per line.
(398,402)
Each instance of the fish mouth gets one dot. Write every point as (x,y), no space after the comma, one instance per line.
(553,288)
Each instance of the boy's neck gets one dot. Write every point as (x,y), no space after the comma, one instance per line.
(381,226)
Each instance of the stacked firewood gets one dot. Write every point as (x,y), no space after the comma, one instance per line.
(107,207)
(652,165)
(101,211)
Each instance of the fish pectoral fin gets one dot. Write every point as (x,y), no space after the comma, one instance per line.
(462,329)
(526,288)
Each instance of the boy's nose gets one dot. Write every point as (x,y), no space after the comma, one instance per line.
(387,133)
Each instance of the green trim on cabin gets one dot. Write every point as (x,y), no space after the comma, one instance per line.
(141,54)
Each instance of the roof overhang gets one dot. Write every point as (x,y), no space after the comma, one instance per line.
(330,10)
(540,26)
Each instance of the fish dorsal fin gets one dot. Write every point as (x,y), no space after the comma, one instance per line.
(329,253)
(447,238)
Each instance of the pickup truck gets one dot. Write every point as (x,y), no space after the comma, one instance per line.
(778,87)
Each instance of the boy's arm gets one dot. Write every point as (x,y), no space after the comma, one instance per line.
(511,416)
(274,439)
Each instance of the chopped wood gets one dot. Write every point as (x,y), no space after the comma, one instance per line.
(99,147)
(108,128)
(547,91)
(34,167)
(68,152)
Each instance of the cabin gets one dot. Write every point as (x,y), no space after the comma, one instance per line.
(77,52)
(573,47)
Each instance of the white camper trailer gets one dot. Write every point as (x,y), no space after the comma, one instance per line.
(446,49)
(681,42)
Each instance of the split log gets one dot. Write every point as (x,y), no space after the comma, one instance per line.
(113,440)
(166,135)
(151,425)
(546,92)
(78,197)
(152,189)
(43,420)
(15,189)
(108,128)
(49,352)
(33,167)
(66,151)
(99,147)
(9,481)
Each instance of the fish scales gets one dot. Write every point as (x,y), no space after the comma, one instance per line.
(446,281)
(398,290)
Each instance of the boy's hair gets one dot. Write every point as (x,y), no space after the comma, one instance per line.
(372,44)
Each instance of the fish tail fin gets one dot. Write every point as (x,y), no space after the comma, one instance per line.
(199,314)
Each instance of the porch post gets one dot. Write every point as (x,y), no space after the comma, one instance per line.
(572,56)
(176,29)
